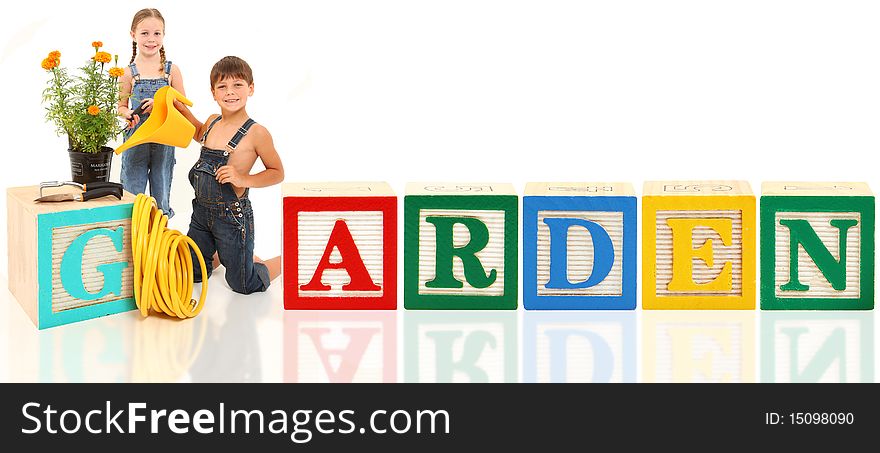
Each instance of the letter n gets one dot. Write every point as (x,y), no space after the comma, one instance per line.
(802,234)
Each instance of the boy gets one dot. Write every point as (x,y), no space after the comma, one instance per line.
(222,219)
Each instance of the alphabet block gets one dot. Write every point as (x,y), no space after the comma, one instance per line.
(699,245)
(340,246)
(579,246)
(817,246)
(69,261)
(460,246)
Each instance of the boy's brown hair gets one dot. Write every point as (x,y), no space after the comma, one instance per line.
(231,67)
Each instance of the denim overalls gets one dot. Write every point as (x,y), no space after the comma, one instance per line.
(148,160)
(224,223)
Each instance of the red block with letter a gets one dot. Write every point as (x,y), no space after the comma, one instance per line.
(340,246)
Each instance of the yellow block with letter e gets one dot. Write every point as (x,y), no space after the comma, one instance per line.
(699,245)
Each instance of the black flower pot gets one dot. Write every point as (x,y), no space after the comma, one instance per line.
(90,167)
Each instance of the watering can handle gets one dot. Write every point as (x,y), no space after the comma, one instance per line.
(177,95)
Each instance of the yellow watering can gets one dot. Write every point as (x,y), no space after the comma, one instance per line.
(166,125)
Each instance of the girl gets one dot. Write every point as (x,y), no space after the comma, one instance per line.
(147,71)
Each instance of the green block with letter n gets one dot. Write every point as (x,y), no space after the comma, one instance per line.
(817,251)
(461,247)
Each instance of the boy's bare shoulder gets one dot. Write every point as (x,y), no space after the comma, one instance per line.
(204,129)
(260,136)
(260,131)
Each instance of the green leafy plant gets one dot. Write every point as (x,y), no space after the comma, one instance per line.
(83,106)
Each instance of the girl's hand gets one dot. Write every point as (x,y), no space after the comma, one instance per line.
(135,119)
(228,173)
(148,105)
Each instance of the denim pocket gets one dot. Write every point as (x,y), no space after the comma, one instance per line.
(204,183)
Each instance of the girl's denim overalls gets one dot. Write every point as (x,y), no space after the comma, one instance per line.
(151,161)
(224,223)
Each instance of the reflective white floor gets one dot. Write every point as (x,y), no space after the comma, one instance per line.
(253,339)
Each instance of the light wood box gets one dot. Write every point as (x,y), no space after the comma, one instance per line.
(43,238)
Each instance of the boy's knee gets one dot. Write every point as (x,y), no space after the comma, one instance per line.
(256,281)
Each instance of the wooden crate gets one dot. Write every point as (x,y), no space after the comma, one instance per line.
(831,227)
(69,261)
(579,246)
(340,246)
(699,245)
(460,246)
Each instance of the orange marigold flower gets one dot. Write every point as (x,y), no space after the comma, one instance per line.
(116,72)
(102,57)
(97,44)
(47,64)
(54,55)
(94,110)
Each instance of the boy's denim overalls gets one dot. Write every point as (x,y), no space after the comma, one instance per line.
(223,222)
(148,160)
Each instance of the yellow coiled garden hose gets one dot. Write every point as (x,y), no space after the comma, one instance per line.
(163,276)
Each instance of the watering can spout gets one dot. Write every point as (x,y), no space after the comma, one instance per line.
(165,125)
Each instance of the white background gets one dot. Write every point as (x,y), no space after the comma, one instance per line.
(500,91)
(508,91)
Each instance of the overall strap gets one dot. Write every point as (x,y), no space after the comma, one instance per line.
(210,126)
(242,131)
(134,72)
(167,69)
(226,190)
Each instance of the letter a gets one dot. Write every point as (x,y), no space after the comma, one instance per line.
(340,238)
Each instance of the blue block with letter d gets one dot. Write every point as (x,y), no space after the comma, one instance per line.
(579,246)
